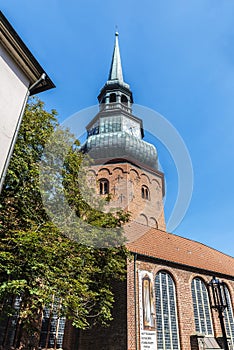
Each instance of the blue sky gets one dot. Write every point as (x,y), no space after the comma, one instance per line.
(178,57)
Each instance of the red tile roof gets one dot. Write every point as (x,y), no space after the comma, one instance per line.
(170,247)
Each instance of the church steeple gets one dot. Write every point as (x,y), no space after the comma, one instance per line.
(124,165)
(116,72)
(115,89)
(115,133)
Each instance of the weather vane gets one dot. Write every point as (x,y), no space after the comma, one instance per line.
(116,30)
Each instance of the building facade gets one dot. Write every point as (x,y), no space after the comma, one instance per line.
(164,303)
(21,76)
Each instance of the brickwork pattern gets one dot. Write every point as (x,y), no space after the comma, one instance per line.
(126,335)
(113,337)
(125,189)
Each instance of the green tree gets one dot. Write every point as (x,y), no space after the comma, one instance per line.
(38,260)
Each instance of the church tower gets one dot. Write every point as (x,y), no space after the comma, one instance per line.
(125,166)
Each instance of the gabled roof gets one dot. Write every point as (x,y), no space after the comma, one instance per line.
(23,57)
(169,247)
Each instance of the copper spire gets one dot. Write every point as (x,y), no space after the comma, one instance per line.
(116,67)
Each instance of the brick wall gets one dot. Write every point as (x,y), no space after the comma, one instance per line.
(183,278)
(113,337)
(126,181)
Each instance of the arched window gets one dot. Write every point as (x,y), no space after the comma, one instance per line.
(52,329)
(201,307)
(112,98)
(143,219)
(145,192)
(124,99)
(228,317)
(103,186)
(166,313)
(153,222)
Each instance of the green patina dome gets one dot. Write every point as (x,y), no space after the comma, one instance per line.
(107,146)
(115,133)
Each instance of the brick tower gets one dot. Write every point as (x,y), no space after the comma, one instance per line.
(125,166)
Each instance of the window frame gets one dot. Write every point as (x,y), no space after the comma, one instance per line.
(145,193)
(54,326)
(103,186)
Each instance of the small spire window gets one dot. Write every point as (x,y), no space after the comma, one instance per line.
(145,192)
(103,186)
(112,98)
(124,99)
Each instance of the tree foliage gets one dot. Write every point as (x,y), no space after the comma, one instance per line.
(38,260)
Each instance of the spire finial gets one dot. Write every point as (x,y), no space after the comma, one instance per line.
(116,30)
(116,67)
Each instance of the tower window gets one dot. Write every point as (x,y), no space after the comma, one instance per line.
(112,98)
(201,307)
(124,99)
(145,192)
(103,186)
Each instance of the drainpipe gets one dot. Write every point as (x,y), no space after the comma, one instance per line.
(12,146)
(135,302)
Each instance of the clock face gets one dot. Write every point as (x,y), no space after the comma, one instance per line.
(132,127)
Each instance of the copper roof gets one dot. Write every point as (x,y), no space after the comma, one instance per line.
(169,247)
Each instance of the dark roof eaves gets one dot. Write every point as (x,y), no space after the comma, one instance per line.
(38,70)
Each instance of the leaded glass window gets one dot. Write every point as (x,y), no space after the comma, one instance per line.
(8,325)
(228,317)
(166,313)
(53,325)
(201,307)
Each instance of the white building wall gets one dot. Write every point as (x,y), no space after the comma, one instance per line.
(13,90)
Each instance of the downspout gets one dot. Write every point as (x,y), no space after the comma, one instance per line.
(135,302)
(12,146)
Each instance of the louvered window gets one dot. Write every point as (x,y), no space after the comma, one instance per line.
(166,313)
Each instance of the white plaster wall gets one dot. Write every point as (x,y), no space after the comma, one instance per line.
(13,89)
